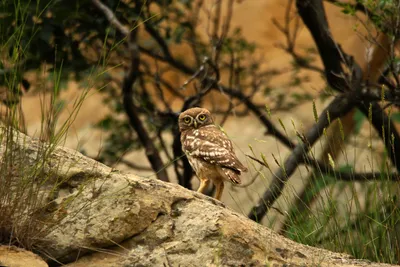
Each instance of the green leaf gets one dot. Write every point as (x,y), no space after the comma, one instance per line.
(349,10)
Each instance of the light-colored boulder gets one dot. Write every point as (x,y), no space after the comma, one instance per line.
(17,257)
(107,218)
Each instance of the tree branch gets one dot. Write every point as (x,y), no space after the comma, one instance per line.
(130,109)
(111,17)
(232,92)
(313,14)
(339,175)
(127,89)
(184,178)
(337,108)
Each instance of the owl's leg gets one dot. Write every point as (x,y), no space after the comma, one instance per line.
(219,189)
(203,185)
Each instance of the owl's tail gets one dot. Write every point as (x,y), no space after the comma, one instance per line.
(231,175)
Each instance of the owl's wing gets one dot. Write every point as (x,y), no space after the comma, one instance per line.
(214,147)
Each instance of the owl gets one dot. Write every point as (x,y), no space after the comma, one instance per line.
(209,150)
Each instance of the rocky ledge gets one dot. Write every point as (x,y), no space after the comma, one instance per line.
(101,217)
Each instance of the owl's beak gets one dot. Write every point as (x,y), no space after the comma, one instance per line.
(195,124)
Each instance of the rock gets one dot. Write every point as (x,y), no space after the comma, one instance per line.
(102,217)
(17,257)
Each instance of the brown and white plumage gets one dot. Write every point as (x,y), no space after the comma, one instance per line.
(209,151)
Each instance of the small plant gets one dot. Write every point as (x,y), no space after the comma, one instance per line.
(28,177)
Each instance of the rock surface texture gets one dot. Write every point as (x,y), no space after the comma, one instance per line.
(107,218)
(16,257)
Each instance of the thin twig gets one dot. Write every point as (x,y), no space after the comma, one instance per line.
(291,37)
(111,17)
(340,175)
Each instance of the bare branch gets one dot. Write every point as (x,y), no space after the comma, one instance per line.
(291,36)
(340,175)
(130,108)
(313,14)
(127,89)
(184,178)
(337,108)
(111,17)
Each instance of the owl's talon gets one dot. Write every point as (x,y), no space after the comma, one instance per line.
(219,190)
(203,185)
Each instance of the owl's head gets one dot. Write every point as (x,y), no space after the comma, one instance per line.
(194,118)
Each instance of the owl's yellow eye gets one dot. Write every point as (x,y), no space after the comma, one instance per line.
(202,117)
(187,120)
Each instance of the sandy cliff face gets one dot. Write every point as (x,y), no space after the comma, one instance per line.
(255,18)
